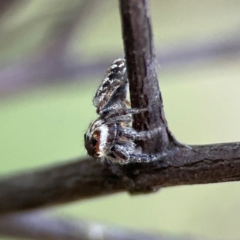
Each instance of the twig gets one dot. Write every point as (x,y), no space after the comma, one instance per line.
(143,82)
(37,225)
(88,178)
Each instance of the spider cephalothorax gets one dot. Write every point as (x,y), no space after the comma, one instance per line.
(113,139)
(103,135)
(110,136)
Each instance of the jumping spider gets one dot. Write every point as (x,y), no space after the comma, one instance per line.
(110,137)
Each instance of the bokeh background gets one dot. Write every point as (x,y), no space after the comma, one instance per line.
(53,56)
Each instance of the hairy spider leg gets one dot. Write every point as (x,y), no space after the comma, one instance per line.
(132,157)
(124,112)
(132,134)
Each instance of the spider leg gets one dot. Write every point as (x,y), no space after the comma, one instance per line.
(127,111)
(112,108)
(144,157)
(122,115)
(121,153)
(126,157)
(115,112)
(130,133)
(119,119)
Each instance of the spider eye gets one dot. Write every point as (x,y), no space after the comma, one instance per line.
(94,141)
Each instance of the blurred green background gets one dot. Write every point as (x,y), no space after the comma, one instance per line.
(43,116)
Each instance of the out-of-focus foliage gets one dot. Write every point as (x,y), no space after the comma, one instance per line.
(45,125)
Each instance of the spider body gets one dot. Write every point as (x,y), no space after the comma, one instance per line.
(110,137)
(112,93)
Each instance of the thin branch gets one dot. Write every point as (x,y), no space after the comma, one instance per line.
(37,225)
(143,82)
(87,178)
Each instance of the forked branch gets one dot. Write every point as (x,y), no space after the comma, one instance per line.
(88,178)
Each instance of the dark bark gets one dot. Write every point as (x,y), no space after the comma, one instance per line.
(143,82)
(88,178)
